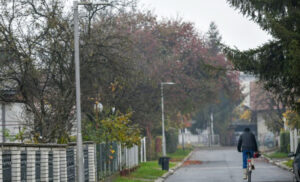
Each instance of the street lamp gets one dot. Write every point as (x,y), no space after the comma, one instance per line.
(163,116)
(79,159)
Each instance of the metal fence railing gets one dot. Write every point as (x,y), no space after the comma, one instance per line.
(113,157)
(70,164)
(6,166)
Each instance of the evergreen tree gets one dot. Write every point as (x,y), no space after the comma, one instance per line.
(276,62)
(214,39)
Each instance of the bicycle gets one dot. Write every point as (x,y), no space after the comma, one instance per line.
(249,166)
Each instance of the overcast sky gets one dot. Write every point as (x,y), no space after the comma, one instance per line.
(236,30)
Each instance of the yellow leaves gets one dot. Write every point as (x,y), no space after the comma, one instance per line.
(246,115)
(293,118)
(288,114)
(119,128)
(116,85)
(113,86)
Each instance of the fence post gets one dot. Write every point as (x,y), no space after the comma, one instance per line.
(63,164)
(141,149)
(1,170)
(295,140)
(44,164)
(145,152)
(130,157)
(16,163)
(120,157)
(126,157)
(31,164)
(92,164)
(136,155)
(56,164)
(291,140)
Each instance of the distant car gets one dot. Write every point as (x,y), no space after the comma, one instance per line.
(296,163)
(269,142)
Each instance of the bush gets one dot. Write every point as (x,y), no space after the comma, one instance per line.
(151,154)
(284,141)
(171,140)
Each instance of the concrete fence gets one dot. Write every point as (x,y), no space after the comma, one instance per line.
(201,139)
(52,162)
(294,139)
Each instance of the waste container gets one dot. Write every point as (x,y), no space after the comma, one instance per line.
(164,162)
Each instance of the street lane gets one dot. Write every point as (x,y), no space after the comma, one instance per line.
(225,165)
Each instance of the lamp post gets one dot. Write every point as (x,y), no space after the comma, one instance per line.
(163,116)
(212,128)
(79,159)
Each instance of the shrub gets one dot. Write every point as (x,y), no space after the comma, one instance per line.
(171,140)
(151,154)
(284,141)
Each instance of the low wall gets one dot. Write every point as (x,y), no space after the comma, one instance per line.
(53,162)
(46,162)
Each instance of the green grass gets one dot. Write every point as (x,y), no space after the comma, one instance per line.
(148,171)
(289,163)
(179,155)
(277,155)
(125,179)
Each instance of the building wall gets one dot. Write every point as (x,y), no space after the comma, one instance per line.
(14,119)
(264,136)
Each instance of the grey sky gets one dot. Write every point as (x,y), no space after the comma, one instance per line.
(236,30)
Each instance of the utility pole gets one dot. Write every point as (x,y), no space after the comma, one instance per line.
(182,132)
(212,127)
(79,159)
(3,122)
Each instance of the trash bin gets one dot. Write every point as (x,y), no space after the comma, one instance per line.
(164,162)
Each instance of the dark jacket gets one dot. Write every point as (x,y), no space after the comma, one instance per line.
(247,141)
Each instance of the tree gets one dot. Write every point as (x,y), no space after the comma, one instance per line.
(112,127)
(214,39)
(276,63)
(292,118)
(36,40)
(37,64)
(227,94)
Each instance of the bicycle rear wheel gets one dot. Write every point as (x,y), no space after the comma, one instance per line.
(249,176)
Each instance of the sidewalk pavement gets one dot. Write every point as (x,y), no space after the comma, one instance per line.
(279,162)
(173,169)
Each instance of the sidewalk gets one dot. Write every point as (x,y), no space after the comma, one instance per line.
(172,170)
(279,162)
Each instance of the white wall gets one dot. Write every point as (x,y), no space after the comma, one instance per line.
(262,131)
(14,118)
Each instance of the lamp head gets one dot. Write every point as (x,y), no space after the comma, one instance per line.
(168,83)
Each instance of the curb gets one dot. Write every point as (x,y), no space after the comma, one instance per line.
(172,170)
(279,164)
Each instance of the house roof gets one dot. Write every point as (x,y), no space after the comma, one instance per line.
(261,99)
(10,96)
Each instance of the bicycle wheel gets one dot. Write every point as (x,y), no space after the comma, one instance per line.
(249,176)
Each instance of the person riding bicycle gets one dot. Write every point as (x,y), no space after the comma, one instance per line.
(247,144)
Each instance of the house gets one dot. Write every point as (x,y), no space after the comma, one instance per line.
(11,116)
(263,105)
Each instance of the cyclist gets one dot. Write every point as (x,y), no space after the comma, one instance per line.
(247,144)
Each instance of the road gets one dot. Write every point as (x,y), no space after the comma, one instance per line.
(225,165)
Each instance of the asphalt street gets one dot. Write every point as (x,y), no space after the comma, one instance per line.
(225,165)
